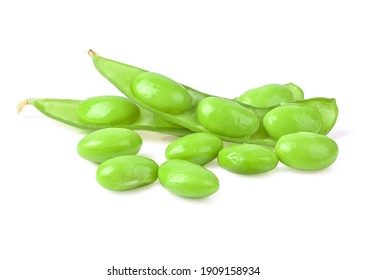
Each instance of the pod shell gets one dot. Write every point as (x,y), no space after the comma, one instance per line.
(247,159)
(199,148)
(162,93)
(108,110)
(187,179)
(107,143)
(127,172)
(292,118)
(306,150)
(226,117)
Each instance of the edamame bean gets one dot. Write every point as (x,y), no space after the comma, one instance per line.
(226,117)
(306,150)
(126,172)
(187,179)
(108,110)
(266,96)
(292,118)
(199,148)
(247,159)
(107,143)
(162,93)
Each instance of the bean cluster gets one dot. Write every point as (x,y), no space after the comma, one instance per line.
(265,125)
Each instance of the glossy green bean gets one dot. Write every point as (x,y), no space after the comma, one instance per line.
(306,150)
(187,179)
(270,95)
(126,172)
(199,148)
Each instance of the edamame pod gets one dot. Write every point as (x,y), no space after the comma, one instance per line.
(247,159)
(126,172)
(199,148)
(270,95)
(187,179)
(123,76)
(107,143)
(306,150)
(292,118)
(66,111)
(110,110)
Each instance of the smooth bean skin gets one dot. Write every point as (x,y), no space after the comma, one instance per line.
(247,159)
(108,110)
(107,143)
(162,93)
(292,118)
(225,117)
(187,179)
(198,148)
(306,150)
(266,96)
(126,172)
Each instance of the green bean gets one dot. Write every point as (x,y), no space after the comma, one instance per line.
(66,111)
(292,118)
(270,95)
(247,159)
(107,143)
(126,172)
(187,114)
(306,150)
(187,179)
(199,148)
(108,110)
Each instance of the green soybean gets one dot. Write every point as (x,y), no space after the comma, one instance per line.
(123,77)
(226,117)
(66,111)
(126,172)
(247,159)
(306,150)
(108,110)
(292,118)
(162,93)
(198,148)
(270,95)
(187,179)
(107,143)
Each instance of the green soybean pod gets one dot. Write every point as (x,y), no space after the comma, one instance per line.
(292,118)
(126,172)
(107,143)
(226,117)
(162,93)
(267,95)
(306,150)
(187,179)
(199,148)
(247,159)
(108,110)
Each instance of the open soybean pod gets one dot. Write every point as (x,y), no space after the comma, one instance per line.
(91,115)
(230,120)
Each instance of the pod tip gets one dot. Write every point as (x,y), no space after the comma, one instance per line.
(92,53)
(21,105)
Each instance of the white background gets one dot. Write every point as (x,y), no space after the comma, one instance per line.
(58,223)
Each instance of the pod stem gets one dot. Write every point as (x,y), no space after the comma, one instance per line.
(92,53)
(22,104)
